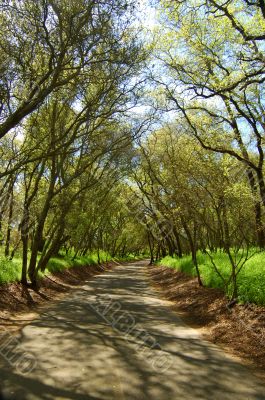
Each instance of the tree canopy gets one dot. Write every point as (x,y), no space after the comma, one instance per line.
(128,141)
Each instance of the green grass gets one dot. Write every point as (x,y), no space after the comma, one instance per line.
(251,279)
(57,264)
(10,271)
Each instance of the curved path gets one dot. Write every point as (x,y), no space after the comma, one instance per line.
(116,339)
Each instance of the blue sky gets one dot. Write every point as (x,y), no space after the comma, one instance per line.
(147,14)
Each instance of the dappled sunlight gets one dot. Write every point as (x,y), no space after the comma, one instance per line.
(81,356)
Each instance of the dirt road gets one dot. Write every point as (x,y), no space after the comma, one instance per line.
(116,339)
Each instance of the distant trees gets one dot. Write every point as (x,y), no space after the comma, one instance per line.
(193,200)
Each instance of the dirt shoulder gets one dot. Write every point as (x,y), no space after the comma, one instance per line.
(240,330)
(19,305)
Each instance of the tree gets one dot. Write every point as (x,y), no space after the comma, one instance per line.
(195,191)
(47,45)
(215,77)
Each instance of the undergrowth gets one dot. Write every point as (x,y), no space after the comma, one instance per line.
(251,279)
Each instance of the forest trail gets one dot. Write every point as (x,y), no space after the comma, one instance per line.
(117,339)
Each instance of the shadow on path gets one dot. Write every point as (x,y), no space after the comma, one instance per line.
(115,339)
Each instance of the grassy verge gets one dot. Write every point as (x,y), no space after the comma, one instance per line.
(10,271)
(251,280)
(57,264)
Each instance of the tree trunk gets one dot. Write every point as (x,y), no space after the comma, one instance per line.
(193,249)
(170,246)
(151,248)
(251,179)
(25,238)
(158,252)
(179,247)
(54,247)
(10,216)
(37,239)
(257,209)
